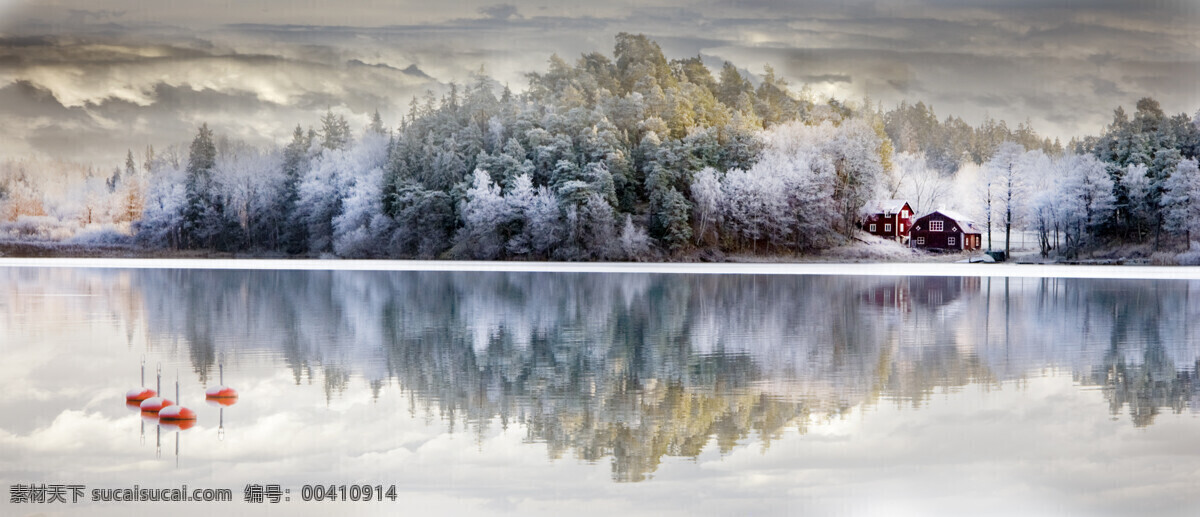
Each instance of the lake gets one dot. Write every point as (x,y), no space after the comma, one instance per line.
(559,393)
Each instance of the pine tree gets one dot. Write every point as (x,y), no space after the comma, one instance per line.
(202,157)
(335,131)
(377,124)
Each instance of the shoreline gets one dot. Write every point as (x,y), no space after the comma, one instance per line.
(730,268)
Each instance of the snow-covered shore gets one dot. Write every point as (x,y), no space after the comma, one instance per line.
(876,269)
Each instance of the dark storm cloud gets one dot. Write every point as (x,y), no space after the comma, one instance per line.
(1062,64)
(90,98)
(25,99)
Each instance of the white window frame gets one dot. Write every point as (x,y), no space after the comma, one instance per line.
(920,241)
(872,227)
(935,226)
(887,227)
(951,241)
(904,214)
(901,227)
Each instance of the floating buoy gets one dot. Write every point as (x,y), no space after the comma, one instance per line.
(221,395)
(156,403)
(176,414)
(135,396)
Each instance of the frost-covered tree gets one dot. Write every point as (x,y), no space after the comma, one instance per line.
(484,212)
(161,224)
(544,228)
(200,209)
(335,131)
(248,182)
(706,192)
(327,184)
(1139,191)
(634,241)
(362,229)
(1181,199)
(1083,197)
(1003,186)
(924,187)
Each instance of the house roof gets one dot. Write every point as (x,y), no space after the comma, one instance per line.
(884,206)
(964,221)
(968,225)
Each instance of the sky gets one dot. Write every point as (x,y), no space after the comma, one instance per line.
(86,80)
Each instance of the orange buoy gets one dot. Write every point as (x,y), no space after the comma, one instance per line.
(177,425)
(176,413)
(155,404)
(220,392)
(139,394)
(135,396)
(223,395)
(221,402)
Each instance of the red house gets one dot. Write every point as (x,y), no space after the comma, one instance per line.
(890,218)
(945,231)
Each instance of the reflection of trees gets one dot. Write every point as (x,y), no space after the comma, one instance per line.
(1145,387)
(637,367)
(1144,366)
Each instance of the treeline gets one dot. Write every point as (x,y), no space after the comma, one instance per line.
(627,157)
(951,143)
(1137,182)
(596,160)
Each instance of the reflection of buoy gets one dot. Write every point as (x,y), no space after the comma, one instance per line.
(156,404)
(135,396)
(223,395)
(177,414)
(177,425)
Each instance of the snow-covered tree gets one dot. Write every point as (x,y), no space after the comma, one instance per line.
(1181,199)
(706,192)
(199,209)
(1083,197)
(634,241)
(1139,191)
(1000,174)
(924,187)
(484,212)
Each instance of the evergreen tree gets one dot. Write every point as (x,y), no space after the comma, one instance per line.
(202,157)
(335,131)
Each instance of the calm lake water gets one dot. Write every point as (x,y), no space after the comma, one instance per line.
(599,394)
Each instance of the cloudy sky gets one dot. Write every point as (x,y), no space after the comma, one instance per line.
(85,79)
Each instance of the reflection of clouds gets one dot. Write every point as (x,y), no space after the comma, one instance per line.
(1005,415)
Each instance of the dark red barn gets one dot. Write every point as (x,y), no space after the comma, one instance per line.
(890,218)
(945,231)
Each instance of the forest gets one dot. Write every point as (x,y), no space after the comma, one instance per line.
(628,157)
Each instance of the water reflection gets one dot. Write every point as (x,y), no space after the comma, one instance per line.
(635,368)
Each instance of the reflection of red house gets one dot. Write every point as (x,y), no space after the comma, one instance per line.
(889,218)
(892,295)
(935,291)
(946,231)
